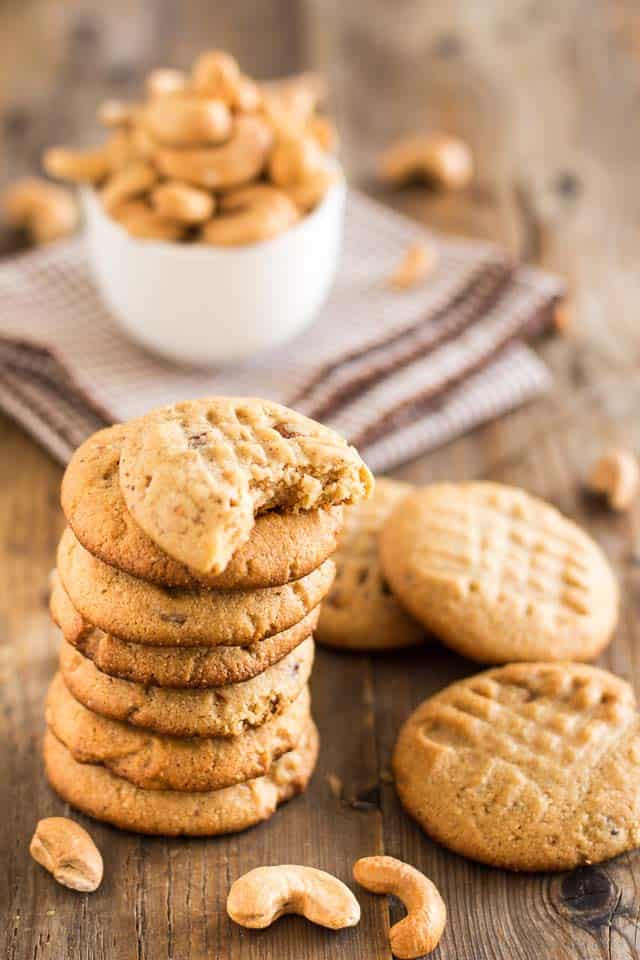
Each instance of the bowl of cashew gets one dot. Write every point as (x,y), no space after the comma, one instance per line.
(213,211)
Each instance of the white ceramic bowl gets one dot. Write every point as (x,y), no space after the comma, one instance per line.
(206,305)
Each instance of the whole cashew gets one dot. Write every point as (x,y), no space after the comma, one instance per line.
(250,215)
(247,97)
(241,159)
(185,121)
(324,133)
(179,201)
(146,224)
(89,166)
(79,166)
(294,159)
(290,103)
(308,193)
(216,74)
(266,893)
(165,82)
(117,113)
(616,475)
(420,931)
(443,160)
(44,209)
(67,851)
(130,182)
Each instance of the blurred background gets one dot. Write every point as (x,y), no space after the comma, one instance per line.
(545,93)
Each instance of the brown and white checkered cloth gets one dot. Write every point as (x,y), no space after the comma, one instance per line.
(397,373)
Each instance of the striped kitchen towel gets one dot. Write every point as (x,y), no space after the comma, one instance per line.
(396,373)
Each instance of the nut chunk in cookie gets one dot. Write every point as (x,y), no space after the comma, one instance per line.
(195,475)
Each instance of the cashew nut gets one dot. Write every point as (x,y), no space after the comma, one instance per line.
(266,893)
(146,224)
(165,82)
(308,193)
(418,261)
(250,215)
(294,159)
(184,121)
(438,158)
(247,97)
(324,133)
(79,166)
(45,210)
(617,476)
(421,929)
(241,159)
(290,103)
(179,201)
(67,851)
(216,74)
(89,166)
(128,183)
(117,113)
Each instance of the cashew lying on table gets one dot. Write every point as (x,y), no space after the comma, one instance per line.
(616,475)
(165,82)
(216,74)
(266,893)
(241,159)
(179,201)
(420,931)
(418,261)
(249,215)
(185,121)
(294,159)
(67,851)
(436,157)
(46,211)
(141,221)
(128,183)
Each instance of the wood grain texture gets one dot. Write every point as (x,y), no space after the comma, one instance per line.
(546,93)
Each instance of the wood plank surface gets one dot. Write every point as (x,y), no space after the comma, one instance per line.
(547,94)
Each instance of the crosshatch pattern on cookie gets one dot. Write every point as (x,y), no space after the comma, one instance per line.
(480,554)
(526,747)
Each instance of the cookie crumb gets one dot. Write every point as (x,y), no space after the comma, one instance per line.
(419,260)
(335,785)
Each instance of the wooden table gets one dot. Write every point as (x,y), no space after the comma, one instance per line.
(547,93)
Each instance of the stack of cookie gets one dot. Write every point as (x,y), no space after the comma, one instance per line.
(187,589)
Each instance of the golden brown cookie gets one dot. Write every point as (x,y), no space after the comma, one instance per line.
(281,547)
(146,613)
(532,766)
(360,612)
(180,667)
(499,575)
(219,712)
(100,794)
(195,475)
(161,762)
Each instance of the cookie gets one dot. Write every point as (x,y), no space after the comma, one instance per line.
(532,766)
(100,794)
(180,667)
(194,475)
(161,762)
(499,575)
(281,547)
(146,613)
(219,712)
(360,612)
